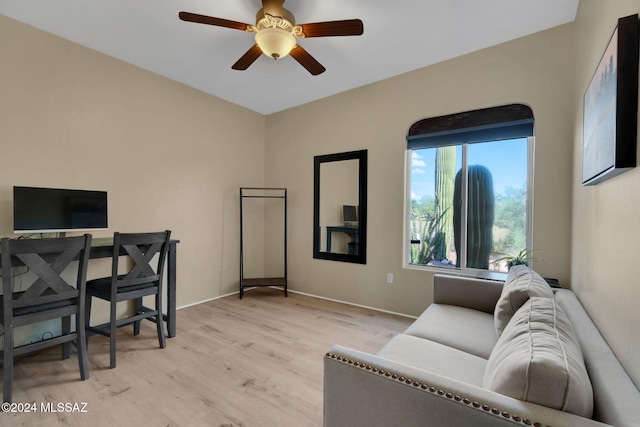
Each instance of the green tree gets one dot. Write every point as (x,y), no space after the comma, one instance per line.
(511,221)
(425,230)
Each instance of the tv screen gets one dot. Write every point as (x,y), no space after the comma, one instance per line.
(42,210)
(350,213)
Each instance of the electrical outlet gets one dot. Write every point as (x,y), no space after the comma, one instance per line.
(389,277)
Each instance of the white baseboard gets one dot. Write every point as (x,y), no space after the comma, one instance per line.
(306,294)
(206,300)
(355,305)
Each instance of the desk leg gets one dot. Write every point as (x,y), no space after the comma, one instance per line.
(171,291)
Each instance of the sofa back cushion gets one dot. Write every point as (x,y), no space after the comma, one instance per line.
(522,283)
(538,359)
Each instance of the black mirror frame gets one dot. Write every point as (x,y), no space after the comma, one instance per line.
(361,156)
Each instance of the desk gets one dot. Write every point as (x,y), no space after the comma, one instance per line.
(349,230)
(102,247)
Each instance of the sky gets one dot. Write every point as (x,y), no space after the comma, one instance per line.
(507,160)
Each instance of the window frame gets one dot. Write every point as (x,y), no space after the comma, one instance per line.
(453,129)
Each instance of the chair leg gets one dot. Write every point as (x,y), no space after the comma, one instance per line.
(87,319)
(81,344)
(7,361)
(136,324)
(66,330)
(112,335)
(159,320)
(8,374)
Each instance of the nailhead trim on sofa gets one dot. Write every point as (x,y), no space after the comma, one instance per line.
(439,392)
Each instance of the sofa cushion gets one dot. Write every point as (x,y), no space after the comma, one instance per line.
(432,356)
(465,329)
(538,359)
(522,283)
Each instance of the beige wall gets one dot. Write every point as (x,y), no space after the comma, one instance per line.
(168,156)
(69,117)
(606,217)
(535,70)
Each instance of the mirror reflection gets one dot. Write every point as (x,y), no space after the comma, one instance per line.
(340,207)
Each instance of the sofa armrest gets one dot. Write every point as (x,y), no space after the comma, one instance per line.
(478,294)
(364,389)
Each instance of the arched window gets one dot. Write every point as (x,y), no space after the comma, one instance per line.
(469,188)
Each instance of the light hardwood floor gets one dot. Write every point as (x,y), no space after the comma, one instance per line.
(251,362)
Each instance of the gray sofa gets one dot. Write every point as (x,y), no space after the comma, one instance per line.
(441,371)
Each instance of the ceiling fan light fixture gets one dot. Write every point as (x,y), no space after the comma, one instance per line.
(276,32)
(275,42)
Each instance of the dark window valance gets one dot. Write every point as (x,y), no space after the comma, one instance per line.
(489,124)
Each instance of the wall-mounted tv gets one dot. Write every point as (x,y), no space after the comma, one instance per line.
(47,210)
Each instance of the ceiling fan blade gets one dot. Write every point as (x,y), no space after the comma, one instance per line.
(273,7)
(248,58)
(348,27)
(307,61)
(210,20)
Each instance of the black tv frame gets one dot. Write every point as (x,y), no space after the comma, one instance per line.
(58,210)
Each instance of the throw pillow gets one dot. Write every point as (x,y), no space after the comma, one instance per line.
(538,359)
(522,283)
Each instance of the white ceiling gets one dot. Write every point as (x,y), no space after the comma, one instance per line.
(398,37)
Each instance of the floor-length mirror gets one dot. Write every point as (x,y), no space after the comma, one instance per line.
(340,207)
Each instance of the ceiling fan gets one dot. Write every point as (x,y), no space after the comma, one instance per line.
(276,33)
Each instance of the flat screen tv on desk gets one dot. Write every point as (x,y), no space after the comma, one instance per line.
(49,210)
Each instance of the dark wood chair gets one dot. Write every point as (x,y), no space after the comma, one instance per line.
(49,297)
(144,278)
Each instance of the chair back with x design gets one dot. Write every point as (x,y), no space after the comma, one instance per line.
(141,248)
(47,259)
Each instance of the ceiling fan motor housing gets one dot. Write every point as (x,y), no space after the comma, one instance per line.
(265,20)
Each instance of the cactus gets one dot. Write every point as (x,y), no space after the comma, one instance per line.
(445,170)
(428,227)
(480,213)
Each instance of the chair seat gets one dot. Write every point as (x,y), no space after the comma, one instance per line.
(102,287)
(23,311)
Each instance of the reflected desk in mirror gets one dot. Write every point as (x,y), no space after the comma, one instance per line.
(351,232)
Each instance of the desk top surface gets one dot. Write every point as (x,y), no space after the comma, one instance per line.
(342,227)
